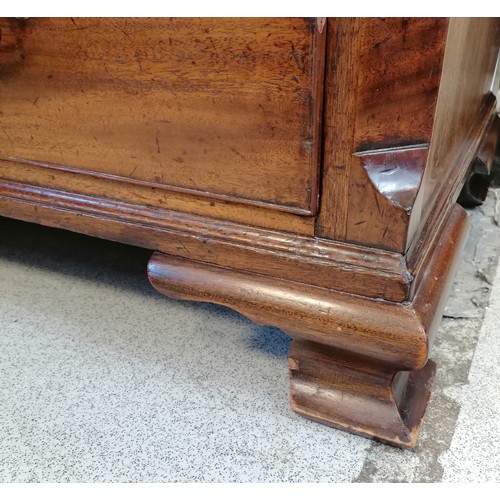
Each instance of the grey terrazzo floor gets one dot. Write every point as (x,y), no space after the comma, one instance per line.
(103,379)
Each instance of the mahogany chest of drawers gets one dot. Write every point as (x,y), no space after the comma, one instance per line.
(301,171)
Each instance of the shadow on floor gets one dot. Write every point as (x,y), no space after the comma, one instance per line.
(107,262)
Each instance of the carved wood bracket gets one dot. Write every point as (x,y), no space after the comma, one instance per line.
(391,178)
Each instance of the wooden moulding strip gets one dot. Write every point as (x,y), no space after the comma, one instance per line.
(418,252)
(282,255)
(394,334)
(157,185)
(163,199)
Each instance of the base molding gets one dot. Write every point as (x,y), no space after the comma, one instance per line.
(324,263)
(357,363)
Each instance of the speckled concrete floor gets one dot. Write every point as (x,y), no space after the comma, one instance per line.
(103,379)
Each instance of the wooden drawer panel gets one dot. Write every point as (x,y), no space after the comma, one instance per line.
(223,107)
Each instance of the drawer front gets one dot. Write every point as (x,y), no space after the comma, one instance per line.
(219,107)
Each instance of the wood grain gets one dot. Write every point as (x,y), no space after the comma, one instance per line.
(397,334)
(348,352)
(400,63)
(365,398)
(341,76)
(387,71)
(216,107)
(206,139)
(308,260)
(464,113)
(40,174)
(389,185)
(450,185)
(471,53)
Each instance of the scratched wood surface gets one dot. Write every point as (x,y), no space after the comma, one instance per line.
(412,111)
(347,350)
(155,197)
(200,140)
(464,105)
(225,106)
(382,83)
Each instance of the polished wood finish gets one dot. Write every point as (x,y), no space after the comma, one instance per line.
(416,103)
(341,76)
(470,59)
(394,333)
(272,253)
(452,184)
(188,104)
(387,72)
(39,173)
(338,338)
(464,115)
(301,171)
(351,393)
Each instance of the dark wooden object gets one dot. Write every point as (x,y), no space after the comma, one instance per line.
(301,171)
